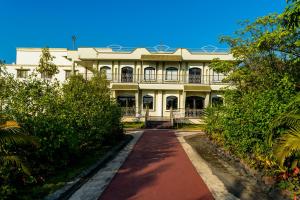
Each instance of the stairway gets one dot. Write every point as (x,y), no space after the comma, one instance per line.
(159,123)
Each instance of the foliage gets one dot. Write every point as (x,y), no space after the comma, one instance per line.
(46,65)
(68,120)
(266,77)
(11,163)
(288,145)
(291,16)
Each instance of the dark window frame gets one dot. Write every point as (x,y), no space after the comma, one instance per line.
(151,104)
(172,101)
(169,71)
(20,71)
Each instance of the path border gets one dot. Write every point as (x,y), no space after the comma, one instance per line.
(214,184)
(93,188)
(71,187)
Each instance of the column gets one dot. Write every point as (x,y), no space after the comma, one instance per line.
(119,72)
(137,103)
(113,93)
(159,103)
(183,103)
(207,100)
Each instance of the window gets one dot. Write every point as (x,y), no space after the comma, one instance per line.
(127,104)
(45,75)
(217,101)
(194,102)
(68,73)
(126,101)
(217,77)
(107,71)
(22,73)
(127,74)
(171,74)
(194,75)
(149,74)
(148,101)
(172,101)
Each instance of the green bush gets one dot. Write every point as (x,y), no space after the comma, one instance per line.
(69,121)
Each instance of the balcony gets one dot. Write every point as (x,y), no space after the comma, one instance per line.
(128,111)
(163,79)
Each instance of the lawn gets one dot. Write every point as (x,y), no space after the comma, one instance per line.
(63,176)
(189,127)
(133,125)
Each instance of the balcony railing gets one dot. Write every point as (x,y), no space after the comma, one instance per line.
(162,78)
(193,112)
(194,79)
(128,111)
(126,78)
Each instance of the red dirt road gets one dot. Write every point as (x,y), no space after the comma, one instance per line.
(157,169)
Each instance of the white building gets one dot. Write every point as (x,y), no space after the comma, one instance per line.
(158,79)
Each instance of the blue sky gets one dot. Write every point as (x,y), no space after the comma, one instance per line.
(133,23)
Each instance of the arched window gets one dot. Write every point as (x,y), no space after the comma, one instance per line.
(148,101)
(127,74)
(218,77)
(149,74)
(194,75)
(107,71)
(217,100)
(171,74)
(172,101)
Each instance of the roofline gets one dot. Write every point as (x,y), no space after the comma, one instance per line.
(39,49)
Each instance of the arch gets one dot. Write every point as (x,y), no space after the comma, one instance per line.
(194,75)
(149,74)
(127,74)
(172,74)
(107,72)
(148,101)
(172,102)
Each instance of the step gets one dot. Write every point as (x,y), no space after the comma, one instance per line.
(159,124)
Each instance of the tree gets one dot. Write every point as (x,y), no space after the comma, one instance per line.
(291,16)
(12,134)
(289,144)
(46,67)
(266,74)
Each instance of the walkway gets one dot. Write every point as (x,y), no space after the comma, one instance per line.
(157,169)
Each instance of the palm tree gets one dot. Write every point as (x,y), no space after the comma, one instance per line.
(289,144)
(11,133)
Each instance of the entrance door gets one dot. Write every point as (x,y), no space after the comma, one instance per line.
(194,106)
(127,103)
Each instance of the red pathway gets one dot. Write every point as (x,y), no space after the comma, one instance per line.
(157,169)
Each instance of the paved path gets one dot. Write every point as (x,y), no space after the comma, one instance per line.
(157,169)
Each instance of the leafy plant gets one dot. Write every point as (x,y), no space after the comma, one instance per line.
(46,66)
(289,144)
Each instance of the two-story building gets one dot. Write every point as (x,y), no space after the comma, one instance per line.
(140,78)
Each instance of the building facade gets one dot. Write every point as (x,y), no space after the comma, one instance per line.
(160,80)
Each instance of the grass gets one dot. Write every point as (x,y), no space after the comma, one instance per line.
(63,176)
(133,125)
(189,127)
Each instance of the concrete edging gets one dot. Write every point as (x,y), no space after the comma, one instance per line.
(214,184)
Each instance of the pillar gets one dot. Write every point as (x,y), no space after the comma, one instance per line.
(137,102)
(207,100)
